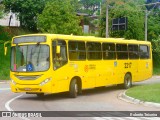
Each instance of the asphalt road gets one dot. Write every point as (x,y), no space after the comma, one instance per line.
(99,99)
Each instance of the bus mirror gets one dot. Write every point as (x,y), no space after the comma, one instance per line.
(58,50)
(5,51)
(5,48)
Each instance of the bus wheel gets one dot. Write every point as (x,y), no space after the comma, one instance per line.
(127,81)
(73,91)
(40,95)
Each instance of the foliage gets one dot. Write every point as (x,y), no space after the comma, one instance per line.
(123,8)
(26,10)
(90,6)
(154,24)
(59,17)
(156,52)
(1,10)
(4,63)
(4,36)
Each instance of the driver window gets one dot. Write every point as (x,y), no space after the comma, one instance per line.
(59,58)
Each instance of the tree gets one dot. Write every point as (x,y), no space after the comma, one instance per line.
(26,10)
(90,6)
(1,10)
(153,19)
(156,51)
(154,24)
(59,16)
(123,8)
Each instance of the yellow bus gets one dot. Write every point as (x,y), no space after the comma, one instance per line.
(53,63)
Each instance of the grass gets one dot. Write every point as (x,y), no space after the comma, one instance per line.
(149,93)
(4,63)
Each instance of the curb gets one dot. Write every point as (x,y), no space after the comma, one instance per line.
(124,97)
(4,81)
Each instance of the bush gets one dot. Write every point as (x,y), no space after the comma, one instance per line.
(156,52)
(4,36)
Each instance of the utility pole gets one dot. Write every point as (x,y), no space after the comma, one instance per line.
(146,19)
(146,16)
(107,21)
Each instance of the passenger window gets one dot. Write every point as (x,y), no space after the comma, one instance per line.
(76,50)
(108,51)
(94,51)
(133,52)
(59,58)
(122,52)
(144,52)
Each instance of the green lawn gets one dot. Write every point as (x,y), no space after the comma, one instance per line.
(149,93)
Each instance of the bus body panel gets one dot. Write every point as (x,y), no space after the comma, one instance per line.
(92,73)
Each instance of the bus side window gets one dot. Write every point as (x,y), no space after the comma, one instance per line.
(109,51)
(59,58)
(94,51)
(122,51)
(77,50)
(144,52)
(133,52)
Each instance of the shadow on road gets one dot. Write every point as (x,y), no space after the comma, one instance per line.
(65,95)
(87,92)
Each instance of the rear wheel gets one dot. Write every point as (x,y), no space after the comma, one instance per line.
(127,81)
(73,91)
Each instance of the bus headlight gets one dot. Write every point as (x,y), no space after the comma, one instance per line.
(13,82)
(45,81)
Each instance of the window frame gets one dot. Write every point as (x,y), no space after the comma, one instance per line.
(83,59)
(89,51)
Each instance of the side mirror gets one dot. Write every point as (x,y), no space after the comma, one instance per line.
(5,51)
(5,48)
(58,49)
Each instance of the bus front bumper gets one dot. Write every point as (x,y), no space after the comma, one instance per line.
(17,88)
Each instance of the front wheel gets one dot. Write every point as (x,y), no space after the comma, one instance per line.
(127,81)
(40,95)
(73,91)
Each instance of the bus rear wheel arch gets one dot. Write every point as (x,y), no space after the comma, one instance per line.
(75,87)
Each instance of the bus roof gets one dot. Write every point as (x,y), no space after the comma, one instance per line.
(87,38)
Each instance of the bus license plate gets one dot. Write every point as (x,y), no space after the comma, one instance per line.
(27,89)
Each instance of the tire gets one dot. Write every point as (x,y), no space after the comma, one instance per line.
(127,81)
(40,95)
(73,91)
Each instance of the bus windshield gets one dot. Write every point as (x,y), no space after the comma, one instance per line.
(31,58)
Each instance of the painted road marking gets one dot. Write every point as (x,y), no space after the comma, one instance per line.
(7,106)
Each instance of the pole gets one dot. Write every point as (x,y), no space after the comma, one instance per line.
(100,9)
(107,21)
(146,17)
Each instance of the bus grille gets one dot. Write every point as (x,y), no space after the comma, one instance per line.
(28,77)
